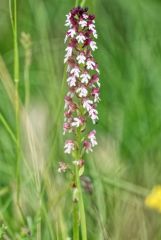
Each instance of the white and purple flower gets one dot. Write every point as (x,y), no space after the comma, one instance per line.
(69,146)
(85,77)
(81,58)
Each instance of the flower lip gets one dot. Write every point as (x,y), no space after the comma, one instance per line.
(85,77)
(78,121)
(71,32)
(82,91)
(71,81)
(69,146)
(82,23)
(81,38)
(95,91)
(81,58)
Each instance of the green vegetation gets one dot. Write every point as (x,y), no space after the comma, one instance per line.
(35,200)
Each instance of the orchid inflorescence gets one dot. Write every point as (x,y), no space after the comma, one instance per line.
(83,82)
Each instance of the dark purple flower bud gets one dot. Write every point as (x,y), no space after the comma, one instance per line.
(87,146)
(67,114)
(91,17)
(87,42)
(86,9)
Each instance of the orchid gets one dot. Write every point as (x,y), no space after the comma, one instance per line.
(80,101)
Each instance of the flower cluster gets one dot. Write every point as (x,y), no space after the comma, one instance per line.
(82,78)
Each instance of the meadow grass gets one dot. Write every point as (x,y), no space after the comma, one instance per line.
(35,200)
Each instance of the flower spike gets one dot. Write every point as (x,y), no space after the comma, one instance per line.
(82,81)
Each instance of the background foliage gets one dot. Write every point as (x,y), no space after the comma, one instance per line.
(127,161)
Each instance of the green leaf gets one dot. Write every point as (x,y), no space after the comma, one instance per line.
(81,171)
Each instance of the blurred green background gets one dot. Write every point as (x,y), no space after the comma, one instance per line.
(125,165)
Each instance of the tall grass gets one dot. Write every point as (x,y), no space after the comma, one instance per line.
(126,163)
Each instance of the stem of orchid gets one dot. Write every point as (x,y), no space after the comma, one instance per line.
(80,195)
(75,222)
(76,3)
(83,3)
(81,208)
(76,203)
(75,218)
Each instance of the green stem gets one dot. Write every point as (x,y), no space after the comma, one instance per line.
(8,129)
(38,232)
(80,195)
(75,220)
(83,3)
(18,143)
(27,85)
(16,57)
(17,106)
(81,207)
(76,3)
(11,15)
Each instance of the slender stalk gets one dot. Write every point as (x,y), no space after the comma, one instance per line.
(80,208)
(27,45)
(11,15)
(76,3)
(16,57)
(75,220)
(8,129)
(16,80)
(17,107)
(27,85)
(83,3)
(38,227)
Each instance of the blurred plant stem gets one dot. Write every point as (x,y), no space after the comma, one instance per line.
(75,220)
(76,3)
(27,85)
(27,46)
(81,207)
(16,80)
(7,127)
(17,103)
(83,3)
(126,186)
(38,225)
